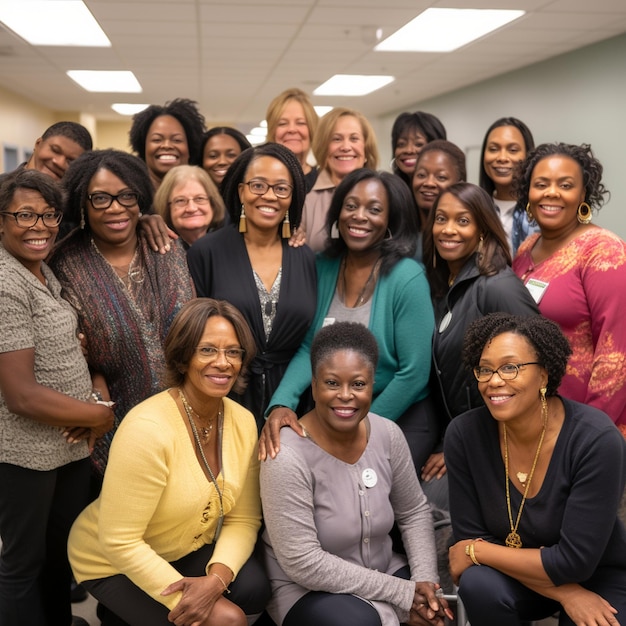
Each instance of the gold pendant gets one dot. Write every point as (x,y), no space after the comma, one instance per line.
(522,477)
(513,540)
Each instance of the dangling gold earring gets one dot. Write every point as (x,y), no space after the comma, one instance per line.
(544,405)
(82,218)
(529,214)
(286,227)
(584,213)
(243,227)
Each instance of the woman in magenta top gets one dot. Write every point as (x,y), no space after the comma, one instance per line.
(576,272)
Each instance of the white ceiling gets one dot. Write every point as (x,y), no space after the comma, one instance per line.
(234,56)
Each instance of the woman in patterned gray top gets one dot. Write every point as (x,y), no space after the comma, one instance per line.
(330,499)
(47,423)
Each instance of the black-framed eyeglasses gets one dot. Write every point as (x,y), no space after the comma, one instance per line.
(260,188)
(28,219)
(208,354)
(101,200)
(508,371)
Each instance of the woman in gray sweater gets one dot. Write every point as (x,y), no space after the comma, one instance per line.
(330,499)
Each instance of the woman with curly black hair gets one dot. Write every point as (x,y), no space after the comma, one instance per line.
(250,263)
(167,136)
(575,271)
(535,484)
(125,293)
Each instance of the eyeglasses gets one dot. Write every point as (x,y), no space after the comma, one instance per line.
(102,200)
(182,203)
(28,219)
(508,371)
(260,188)
(208,354)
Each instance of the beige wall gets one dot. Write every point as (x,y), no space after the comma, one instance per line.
(21,123)
(113,135)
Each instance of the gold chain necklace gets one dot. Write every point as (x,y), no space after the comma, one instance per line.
(513,540)
(205,430)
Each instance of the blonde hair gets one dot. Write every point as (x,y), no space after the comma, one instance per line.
(277,106)
(326,127)
(179,175)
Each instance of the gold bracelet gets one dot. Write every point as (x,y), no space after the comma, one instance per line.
(226,589)
(472,554)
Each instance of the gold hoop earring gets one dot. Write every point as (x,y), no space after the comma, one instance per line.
(243,227)
(529,214)
(334,231)
(584,214)
(286,227)
(480,246)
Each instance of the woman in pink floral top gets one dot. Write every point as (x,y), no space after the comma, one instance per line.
(576,271)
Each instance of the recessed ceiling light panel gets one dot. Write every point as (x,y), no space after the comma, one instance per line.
(103,81)
(444,30)
(53,23)
(352,85)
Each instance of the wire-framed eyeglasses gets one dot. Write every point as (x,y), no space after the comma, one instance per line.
(208,354)
(28,219)
(508,371)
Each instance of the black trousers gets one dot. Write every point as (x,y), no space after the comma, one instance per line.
(335,609)
(37,509)
(493,599)
(125,604)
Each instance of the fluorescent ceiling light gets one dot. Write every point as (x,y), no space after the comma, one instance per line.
(259,131)
(351,85)
(321,109)
(106,81)
(53,23)
(444,30)
(126,108)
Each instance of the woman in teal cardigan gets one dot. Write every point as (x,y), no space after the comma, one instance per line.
(366,275)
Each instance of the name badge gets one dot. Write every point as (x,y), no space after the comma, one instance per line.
(328,321)
(369,477)
(537,288)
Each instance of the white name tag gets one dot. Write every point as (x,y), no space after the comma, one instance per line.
(328,321)
(537,288)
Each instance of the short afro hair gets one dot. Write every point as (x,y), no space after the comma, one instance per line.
(33,180)
(343,336)
(128,168)
(185,111)
(72,130)
(544,335)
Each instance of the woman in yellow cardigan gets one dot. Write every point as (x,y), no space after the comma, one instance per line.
(179,512)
